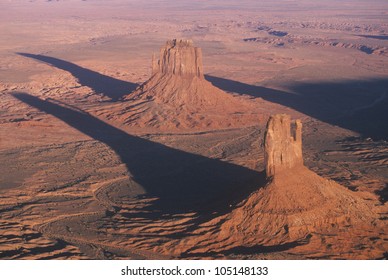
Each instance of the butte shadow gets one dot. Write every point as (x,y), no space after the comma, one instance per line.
(181,181)
(377,37)
(359,105)
(108,86)
(253,250)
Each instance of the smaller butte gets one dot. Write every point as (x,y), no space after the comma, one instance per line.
(178,97)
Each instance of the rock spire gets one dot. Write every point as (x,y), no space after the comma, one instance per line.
(282,144)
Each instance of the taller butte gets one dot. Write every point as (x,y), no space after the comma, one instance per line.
(177,96)
(297,210)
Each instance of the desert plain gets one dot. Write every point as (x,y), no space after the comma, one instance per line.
(104,155)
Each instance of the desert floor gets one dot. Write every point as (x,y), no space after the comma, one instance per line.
(82,178)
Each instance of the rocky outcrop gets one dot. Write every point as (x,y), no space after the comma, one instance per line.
(282,144)
(179,57)
(177,96)
(177,79)
(296,206)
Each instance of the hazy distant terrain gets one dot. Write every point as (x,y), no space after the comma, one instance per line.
(88,172)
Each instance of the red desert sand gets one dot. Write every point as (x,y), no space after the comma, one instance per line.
(115,144)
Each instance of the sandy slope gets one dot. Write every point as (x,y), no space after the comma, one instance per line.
(87,176)
(287,213)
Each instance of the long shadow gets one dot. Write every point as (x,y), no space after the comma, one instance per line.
(108,86)
(257,249)
(359,105)
(181,181)
(378,37)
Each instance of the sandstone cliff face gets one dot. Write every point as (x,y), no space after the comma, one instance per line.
(179,57)
(283,144)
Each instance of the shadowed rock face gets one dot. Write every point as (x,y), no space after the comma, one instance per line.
(179,57)
(283,144)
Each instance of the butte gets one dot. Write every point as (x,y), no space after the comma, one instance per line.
(177,96)
(296,210)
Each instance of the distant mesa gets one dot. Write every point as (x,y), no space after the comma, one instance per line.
(177,77)
(177,96)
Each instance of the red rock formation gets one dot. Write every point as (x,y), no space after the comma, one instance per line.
(295,206)
(177,96)
(283,146)
(177,78)
(179,57)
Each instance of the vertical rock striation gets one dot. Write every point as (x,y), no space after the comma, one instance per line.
(179,57)
(282,144)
